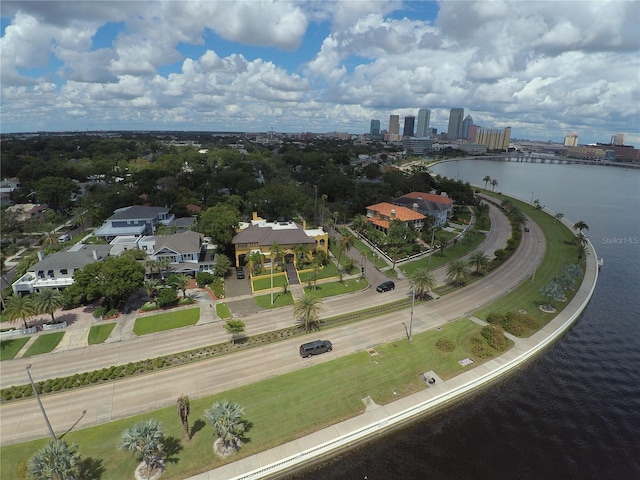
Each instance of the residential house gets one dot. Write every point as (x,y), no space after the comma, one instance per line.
(135,220)
(27,211)
(440,207)
(382,214)
(187,252)
(56,270)
(260,234)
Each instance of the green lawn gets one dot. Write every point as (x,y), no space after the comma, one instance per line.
(279,280)
(222,310)
(11,346)
(558,253)
(99,333)
(336,288)
(280,299)
(328,271)
(279,409)
(451,253)
(364,249)
(166,321)
(44,343)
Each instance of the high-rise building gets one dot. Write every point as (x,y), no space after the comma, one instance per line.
(493,138)
(374,130)
(455,123)
(409,122)
(394,124)
(466,123)
(424,116)
(571,140)
(617,139)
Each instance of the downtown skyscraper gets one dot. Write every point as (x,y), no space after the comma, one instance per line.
(455,123)
(424,116)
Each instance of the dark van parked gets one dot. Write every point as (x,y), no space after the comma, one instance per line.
(315,348)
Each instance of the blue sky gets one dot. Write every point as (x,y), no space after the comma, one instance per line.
(544,68)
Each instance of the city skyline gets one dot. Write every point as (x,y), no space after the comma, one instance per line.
(543,68)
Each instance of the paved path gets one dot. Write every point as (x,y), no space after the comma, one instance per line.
(21,420)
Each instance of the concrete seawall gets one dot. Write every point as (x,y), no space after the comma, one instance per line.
(378,420)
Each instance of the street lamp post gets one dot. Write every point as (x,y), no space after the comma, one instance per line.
(413,301)
(44,414)
(271,278)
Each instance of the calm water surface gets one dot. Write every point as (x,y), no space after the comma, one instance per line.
(572,413)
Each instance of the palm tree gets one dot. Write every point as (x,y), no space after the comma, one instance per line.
(184,408)
(255,259)
(580,226)
(48,300)
(307,310)
(277,252)
(152,265)
(301,250)
(458,272)
(164,263)
(179,282)
(344,245)
(479,261)
(58,460)
(581,239)
(360,223)
(494,184)
(50,237)
(486,180)
(20,308)
(145,439)
(223,265)
(151,287)
(423,281)
(226,419)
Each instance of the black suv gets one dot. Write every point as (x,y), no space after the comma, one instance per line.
(385,286)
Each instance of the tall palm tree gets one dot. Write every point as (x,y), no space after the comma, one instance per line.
(277,253)
(255,259)
(486,180)
(479,261)
(48,301)
(307,310)
(301,250)
(494,184)
(458,272)
(422,282)
(580,226)
(345,244)
(359,223)
(226,419)
(184,408)
(152,265)
(19,308)
(163,264)
(145,439)
(58,460)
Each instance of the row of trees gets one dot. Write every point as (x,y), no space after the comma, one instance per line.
(146,440)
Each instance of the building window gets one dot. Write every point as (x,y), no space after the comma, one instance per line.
(63,271)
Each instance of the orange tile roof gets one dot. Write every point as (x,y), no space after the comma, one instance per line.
(402,213)
(428,196)
(381,223)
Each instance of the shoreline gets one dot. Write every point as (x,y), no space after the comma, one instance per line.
(379,420)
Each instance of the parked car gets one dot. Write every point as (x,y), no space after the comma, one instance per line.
(385,286)
(526,229)
(315,348)
(65,237)
(239,273)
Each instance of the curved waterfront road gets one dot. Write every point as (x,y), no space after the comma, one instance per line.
(22,420)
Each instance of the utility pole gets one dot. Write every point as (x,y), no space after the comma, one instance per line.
(44,414)
(413,301)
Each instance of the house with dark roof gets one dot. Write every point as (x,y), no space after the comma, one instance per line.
(56,270)
(439,207)
(260,234)
(382,214)
(135,220)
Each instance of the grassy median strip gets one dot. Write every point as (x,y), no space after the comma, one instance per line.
(279,409)
(166,321)
(44,343)
(99,333)
(10,347)
(560,250)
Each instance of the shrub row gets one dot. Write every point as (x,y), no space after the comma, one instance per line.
(515,323)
